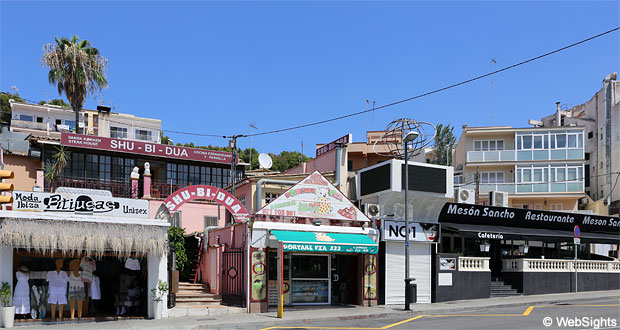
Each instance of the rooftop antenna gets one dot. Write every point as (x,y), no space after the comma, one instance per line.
(493,62)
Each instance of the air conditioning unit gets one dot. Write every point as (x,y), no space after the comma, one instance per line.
(498,198)
(372,210)
(466,196)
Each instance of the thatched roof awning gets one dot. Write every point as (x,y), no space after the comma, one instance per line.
(74,237)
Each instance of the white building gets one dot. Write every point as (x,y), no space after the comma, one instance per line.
(52,120)
(601,118)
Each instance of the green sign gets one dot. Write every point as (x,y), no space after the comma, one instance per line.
(303,241)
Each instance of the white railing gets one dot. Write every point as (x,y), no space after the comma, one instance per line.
(560,265)
(474,264)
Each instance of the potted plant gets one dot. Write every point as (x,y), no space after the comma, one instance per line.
(159,291)
(8,310)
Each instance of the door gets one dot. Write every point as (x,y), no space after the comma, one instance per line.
(232,277)
(495,263)
(310,279)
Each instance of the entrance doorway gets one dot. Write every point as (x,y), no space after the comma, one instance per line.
(310,279)
(345,279)
(495,262)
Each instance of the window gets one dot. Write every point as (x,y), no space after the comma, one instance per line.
(105,168)
(270,197)
(488,145)
(205,175)
(143,135)
(26,118)
(535,207)
(118,132)
(349,165)
(492,177)
(556,207)
(39,119)
(58,122)
(70,122)
(531,175)
(194,174)
(590,135)
(210,221)
(560,141)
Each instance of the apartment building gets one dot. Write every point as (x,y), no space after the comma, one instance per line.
(601,118)
(540,168)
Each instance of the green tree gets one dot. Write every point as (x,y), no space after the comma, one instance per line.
(287,160)
(5,105)
(444,144)
(77,69)
(59,102)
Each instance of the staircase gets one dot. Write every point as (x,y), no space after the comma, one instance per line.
(501,289)
(194,296)
(197,260)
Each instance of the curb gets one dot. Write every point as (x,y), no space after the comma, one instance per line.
(443,309)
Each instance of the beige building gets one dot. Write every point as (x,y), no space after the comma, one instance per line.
(539,168)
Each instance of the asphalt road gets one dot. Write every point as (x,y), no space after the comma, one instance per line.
(594,314)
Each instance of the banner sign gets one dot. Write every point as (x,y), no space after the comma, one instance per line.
(210,193)
(512,217)
(84,204)
(332,145)
(314,197)
(301,241)
(418,231)
(145,148)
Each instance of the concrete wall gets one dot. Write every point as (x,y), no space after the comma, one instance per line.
(157,270)
(557,282)
(465,285)
(25,169)
(192,214)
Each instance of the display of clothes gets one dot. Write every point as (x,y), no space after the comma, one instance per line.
(38,302)
(57,287)
(76,287)
(95,289)
(21,295)
(132,264)
(88,266)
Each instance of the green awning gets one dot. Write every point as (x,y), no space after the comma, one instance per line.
(307,241)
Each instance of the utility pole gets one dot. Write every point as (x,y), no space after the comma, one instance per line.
(233,163)
(477,185)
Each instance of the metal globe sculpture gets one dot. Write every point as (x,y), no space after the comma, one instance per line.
(396,130)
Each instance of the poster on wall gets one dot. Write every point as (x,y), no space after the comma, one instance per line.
(314,197)
(418,231)
(259,276)
(447,263)
(76,203)
(370,277)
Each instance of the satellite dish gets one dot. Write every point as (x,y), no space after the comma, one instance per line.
(264,161)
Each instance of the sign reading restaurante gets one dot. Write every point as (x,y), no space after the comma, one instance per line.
(87,204)
(145,148)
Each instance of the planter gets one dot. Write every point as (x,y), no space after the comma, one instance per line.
(157,309)
(8,314)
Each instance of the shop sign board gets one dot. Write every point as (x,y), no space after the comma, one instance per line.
(210,193)
(330,146)
(447,263)
(418,231)
(85,204)
(513,217)
(145,148)
(314,197)
(303,241)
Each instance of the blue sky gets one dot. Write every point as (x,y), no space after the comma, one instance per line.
(216,67)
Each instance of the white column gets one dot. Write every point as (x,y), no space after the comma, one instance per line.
(157,270)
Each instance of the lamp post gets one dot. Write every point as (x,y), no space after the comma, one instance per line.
(408,138)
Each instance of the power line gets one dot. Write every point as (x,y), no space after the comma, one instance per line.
(400,101)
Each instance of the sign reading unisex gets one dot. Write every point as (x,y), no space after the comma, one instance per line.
(80,204)
(418,231)
(511,217)
(145,148)
(314,197)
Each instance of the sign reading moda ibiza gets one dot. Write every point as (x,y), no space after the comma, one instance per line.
(512,217)
(80,204)
(145,148)
(314,197)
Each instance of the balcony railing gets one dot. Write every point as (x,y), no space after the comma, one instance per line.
(560,265)
(524,188)
(474,264)
(524,155)
(163,189)
(118,188)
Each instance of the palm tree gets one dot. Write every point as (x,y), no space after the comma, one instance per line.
(77,69)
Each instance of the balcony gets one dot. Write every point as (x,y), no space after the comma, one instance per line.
(531,188)
(524,155)
(118,188)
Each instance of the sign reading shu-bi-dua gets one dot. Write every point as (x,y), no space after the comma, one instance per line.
(85,204)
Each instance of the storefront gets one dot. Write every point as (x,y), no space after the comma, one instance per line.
(328,253)
(111,252)
(523,251)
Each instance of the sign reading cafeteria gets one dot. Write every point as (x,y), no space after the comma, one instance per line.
(80,204)
(314,197)
(145,148)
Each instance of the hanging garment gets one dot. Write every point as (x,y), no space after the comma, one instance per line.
(132,264)
(21,296)
(76,287)
(88,265)
(95,290)
(34,302)
(58,287)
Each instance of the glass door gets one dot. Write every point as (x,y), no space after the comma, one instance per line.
(310,279)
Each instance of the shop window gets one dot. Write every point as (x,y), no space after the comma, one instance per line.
(26,118)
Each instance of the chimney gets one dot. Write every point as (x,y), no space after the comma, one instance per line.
(558,116)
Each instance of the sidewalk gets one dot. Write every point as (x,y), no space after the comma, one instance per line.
(335,313)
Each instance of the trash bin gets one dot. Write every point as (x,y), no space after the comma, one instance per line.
(411,290)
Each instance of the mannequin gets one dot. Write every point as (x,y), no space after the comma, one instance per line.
(57,288)
(76,288)
(21,296)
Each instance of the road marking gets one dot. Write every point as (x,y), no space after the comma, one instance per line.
(527,312)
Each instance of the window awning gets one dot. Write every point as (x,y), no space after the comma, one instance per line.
(307,241)
(518,233)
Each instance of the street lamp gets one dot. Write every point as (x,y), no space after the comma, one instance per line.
(406,139)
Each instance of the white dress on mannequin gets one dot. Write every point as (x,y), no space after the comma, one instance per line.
(21,296)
